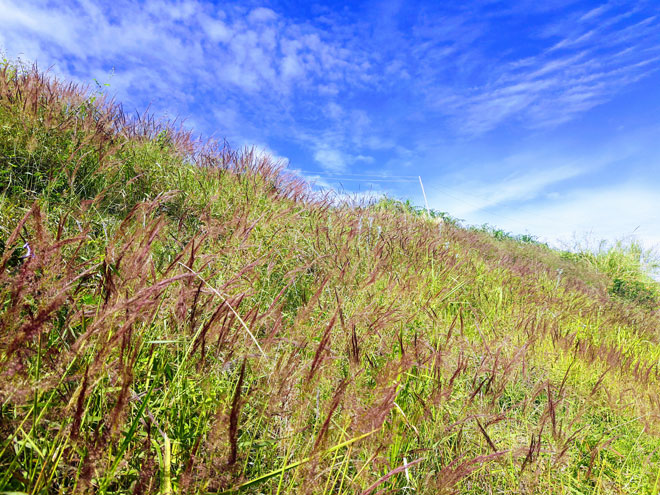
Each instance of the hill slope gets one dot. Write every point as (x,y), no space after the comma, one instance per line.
(179,317)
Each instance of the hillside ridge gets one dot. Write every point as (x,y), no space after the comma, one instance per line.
(181,317)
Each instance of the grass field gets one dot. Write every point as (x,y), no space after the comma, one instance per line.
(180,317)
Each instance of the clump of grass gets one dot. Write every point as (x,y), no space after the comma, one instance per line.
(180,317)
(632,269)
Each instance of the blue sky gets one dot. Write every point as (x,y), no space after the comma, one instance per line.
(539,117)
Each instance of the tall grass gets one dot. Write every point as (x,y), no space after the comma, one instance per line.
(179,317)
(632,269)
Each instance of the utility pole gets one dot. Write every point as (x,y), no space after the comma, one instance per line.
(428,211)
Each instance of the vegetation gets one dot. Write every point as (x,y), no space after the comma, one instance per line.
(178,317)
(630,267)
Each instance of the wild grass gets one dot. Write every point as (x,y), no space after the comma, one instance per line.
(179,317)
(632,269)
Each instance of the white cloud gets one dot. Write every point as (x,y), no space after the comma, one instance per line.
(262,14)
(334,110)
(470,198)
(608,213)
(216,30)
(595,12)
(364,158)
(337,161)
(292,67)
(190,41)
(603,213)
(584,68)
(240,73)
(331,159)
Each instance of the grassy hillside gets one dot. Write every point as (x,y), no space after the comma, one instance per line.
(178,317)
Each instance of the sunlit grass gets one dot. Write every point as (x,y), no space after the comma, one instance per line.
(178,317)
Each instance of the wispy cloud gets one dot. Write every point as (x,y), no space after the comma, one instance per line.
(270,69)
(610,192)
(578,63)
(469,198)
(615,212)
